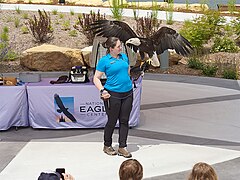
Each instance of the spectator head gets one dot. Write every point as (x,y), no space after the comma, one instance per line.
(131,169)
(202,171)
(49,176)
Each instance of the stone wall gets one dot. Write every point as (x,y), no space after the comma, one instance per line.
(100,3)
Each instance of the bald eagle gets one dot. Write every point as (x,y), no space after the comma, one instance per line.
(163,39)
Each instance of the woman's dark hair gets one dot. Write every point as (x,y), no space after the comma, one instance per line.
(131,169)
(110,43)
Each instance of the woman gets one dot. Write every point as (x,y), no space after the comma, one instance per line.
(117,94)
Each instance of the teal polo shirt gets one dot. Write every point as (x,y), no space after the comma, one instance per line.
(116,70)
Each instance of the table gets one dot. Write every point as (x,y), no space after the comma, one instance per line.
(13,107)
(71,105)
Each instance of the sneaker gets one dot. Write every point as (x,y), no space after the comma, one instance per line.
(109,150)
(124,152)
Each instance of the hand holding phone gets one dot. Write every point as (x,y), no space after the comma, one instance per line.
(60,171)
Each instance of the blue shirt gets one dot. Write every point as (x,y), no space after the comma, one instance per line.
(116,70)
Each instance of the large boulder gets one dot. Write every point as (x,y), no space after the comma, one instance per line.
(88,2)
(147,4)
(174,58)
(109,3)
(51,58)
(191,7)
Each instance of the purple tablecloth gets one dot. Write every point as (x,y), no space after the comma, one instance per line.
(58,106)
(13,107)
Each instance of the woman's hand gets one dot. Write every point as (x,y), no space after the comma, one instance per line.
(105,95)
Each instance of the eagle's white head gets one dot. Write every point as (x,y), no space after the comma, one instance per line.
(134,41)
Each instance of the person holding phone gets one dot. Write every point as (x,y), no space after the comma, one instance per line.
(117,94)
(59,174)
(64,176)
(67,176)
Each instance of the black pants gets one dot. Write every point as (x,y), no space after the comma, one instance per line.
(118,107)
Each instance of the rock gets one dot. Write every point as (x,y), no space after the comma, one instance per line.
(174,58)
(89,2)
(147,4)
(51,58)
(109,3)
(191,7)
(183,61)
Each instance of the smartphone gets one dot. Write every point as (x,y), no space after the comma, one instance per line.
(60,171)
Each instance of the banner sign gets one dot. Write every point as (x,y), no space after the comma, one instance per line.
(71,105)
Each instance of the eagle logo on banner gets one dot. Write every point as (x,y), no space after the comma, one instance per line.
(66,110)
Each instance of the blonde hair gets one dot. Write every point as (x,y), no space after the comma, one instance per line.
(131,169)
(202,171)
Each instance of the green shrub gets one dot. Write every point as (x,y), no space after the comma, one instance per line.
(231,6)
(54,11)
(5,29)
(9,19)
(73,33)
(230,73)
(169,13)
(187,4)
(202,3)
(210,70)
(3,49)
(155,9)
(66,25)
(224,44)
(25,15)
(236,25)
(195,63)
(236,28)
(117,9)
(4,37)
(194,33)
(24,30)
(135,8)
(61,16)
(201,29)
(16,22)
(80,15)
(72,12)
(6,53)
(11,56)
(18,10)
(57,22)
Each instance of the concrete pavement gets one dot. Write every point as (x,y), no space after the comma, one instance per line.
(184,120)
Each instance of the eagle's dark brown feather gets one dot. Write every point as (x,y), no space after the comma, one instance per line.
(165,38)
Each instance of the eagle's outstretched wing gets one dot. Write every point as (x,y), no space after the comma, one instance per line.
(167,38)
(107,28)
